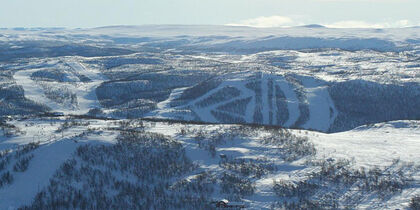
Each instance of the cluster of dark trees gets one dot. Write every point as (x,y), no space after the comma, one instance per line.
(226,117)
(415,202)
(362,102)
(60,94)
(290,146)
(237,106)
(338,178)
(254,168)
(21,158)
(225,93)
(13,102)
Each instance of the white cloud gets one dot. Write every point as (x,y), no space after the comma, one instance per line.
(283,21)
(363,24)
(265,22)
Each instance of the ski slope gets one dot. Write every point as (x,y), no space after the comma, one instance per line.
(85,91)
(322,112)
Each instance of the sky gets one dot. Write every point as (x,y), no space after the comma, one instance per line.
(255,13)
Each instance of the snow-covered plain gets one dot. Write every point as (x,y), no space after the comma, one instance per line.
(364,83)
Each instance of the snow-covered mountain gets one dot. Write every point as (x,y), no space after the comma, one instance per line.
(181,116)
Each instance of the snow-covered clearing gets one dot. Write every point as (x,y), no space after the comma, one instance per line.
(372,146)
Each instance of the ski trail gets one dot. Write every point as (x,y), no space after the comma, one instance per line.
(33,91)
(320,105)
(86,92)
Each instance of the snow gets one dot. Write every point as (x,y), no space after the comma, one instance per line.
(370,147)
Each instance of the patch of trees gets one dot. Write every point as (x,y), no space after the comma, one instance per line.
(281,106)
(6,178)
(290,146)
(226,118)
(22,164)
(345,186)
(21,157)
(237,106)
(135,108)
(236,186)
(362,102)
(114,93)
(415,202)
(13,102)
(59,94)
(226,93)
(254,168)
(26,148)
(196,91)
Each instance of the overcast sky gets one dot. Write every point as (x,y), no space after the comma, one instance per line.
(259,13)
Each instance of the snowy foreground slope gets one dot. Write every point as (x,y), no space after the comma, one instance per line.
(238,163)
(178,117)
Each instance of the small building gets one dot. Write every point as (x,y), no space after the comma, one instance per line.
(224,203)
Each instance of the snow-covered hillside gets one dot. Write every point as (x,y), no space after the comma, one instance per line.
(179,117)
(262,98)
(256,156)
